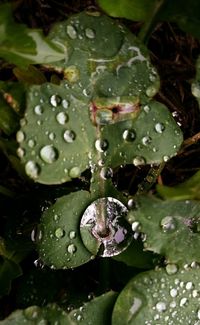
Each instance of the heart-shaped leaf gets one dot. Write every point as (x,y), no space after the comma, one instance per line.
(156,297)
(171,228)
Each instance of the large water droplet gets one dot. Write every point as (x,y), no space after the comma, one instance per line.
(138,161)
(104,230)
(49,154)
(71,249)
(59,233)
(38,110)
(20,136)
(171,269)
(89,33)
(161,306)
(32,169)
(159,127)
(55,100)
(173,292)
(62,118)
(168,224)
(101,145)
(71,31)
(69,136)
(129,135)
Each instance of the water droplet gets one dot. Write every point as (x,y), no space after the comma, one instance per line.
(20,136)
(55,100)
(89,33)
(146,140)
(74,172)
(101,145)
(104,222)
(65,103)
(166,158)
(173,293)
(49,154)
(183,302)
(72,234)
(59,233)
(135,225)
(146,109)
(52,136)
(168,224)
(161,306)
(71,249)
(171,269)
(189,285)
(62,118)
(71,31)
(32,169)
(137,303)
(137,161)
(198,313)
(56,217)
(20,152)
(36,234)
(129,135)
(196,89)
(159,127)
(38,110)
(69,136)
(72,73)
(31,143)
(23,122)
(151,91)
(106,172)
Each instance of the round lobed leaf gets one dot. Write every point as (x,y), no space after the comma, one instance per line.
(60,245)
(171,228)
(156,297)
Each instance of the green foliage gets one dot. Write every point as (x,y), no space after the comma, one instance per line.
(159,296)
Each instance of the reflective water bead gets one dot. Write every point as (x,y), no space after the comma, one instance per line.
(89,33)
(137,161)
(32,169)
(196,89)
(173,293)
(31,143)
(129,135)
(168,223)
(72,234)
(151,91)
(65,103)
(135,225)
(165,158)
(62,118)
(161,306)
(52,136)
(69,136)
(198,313)
(106,172)
(20,152)
(38,110)
(71,249)
(49,154)
(189,285)
(159,127)
(146,140)
(183,302)
(74,172)
(101,145)
(146,108)
(55,100)
(71,31)
(171,269)
(59,233)
(20,136)
(137,303)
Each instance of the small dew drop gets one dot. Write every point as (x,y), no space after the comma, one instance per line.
(71,31)
(161,307)
(159,127)
(146,140)
(59,233)
(32,169)
(129,135)
(62,118)
(49,154)
(74,172)
(173,293)
(65,103)
(171,269)
(166,158)
(135,225)
(147,109)
(101,145)
(31,143)
(72,234)
(138,161)
(89,33)
(52,136)
(183,302)
(55,100)
(189,285)
(151,91)
(20,152)
(69,136)
(38,110)
(168,224)
(71,249)
(20,136)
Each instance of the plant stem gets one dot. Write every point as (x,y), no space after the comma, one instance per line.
(150,22)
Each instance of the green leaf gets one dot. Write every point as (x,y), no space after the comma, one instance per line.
(188,190)
(171,228)
(31,75)
(21,45)
(9,120)
(98,311)
(9,270)
(60,244)
(35,315)
(155,297)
